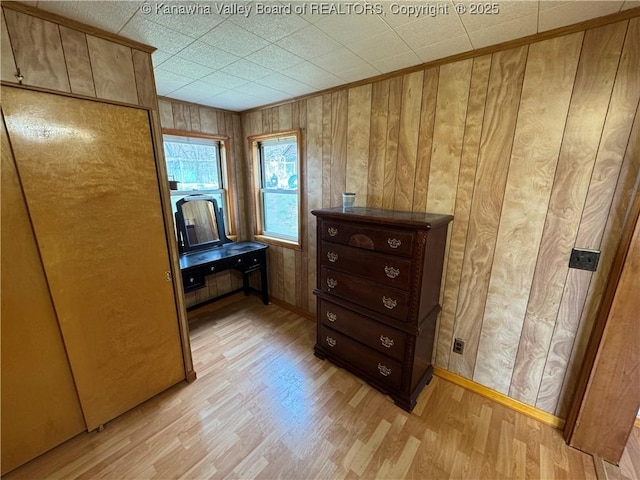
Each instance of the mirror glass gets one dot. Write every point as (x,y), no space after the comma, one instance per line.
(197,222)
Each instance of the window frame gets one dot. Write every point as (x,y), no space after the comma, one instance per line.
(258,189)
(226,188)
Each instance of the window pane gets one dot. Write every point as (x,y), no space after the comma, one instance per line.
(280,164)
(280,214)
(193,163)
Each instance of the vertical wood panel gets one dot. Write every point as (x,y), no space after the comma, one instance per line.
(182,116)
(76,55)
(393,135)
(285,117)
(587,111)
(448,134)
(8,63)
(166,113)
(459,227)
(610,153)
(326,150)
(299,115)
(546,93)
(37,51)
(113,72)
(339,106)
(408,140)
(503,98)
(145,81)
(289,275)
(313,185)
(209,121)
(358,135)
(425,138)
(377,143)
(194,113)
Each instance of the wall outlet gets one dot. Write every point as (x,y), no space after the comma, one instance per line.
(458,346)
(584,259)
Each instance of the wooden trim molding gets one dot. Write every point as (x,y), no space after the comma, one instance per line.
(500,398)
(293,308)
(518,42)
(81,27)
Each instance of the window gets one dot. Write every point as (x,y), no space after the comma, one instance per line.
(277,159)
(195,163)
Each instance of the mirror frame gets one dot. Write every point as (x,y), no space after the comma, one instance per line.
(183,242)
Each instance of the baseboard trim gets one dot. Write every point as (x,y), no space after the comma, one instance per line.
(500,398)
(293,308)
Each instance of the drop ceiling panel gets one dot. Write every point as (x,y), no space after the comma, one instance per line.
(558,16)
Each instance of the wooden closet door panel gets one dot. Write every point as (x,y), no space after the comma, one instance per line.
(89,177)
(40,407)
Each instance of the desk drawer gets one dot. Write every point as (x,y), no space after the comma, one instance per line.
(381,368)
(192,280)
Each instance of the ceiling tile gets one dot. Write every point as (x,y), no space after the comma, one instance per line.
(566,14)
(430,30)
(158,57)
(451,46)
(397,62)
(503,32)
(233,39)
(359,72)
(386,44)
(193,19)
(508,11)
(155,35)
(247,70)
(397,14)
(223,79)
(186,68)
(285,84)
(347,29)
(167,82)
(196,91)
(258,90)
(274,57)
(308,43)
(110,16)
(306,72)
(340,59)
(204,54)
(234,101)
(272,27)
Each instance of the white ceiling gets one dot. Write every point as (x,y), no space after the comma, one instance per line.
(236,61)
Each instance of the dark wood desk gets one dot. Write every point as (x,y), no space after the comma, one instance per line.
(245,257)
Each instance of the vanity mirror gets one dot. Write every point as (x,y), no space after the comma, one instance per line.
(199,222)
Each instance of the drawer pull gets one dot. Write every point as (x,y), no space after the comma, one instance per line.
(394,242)
(391,272)
(330,341)
(239,260)
(332,231)
(332,283)
(191,280)
(332,317)
(332,256)
(213,269)
(384,370)
(386,341)
(389,303)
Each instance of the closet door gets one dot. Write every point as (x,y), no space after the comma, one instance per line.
(40,406)
(89,177)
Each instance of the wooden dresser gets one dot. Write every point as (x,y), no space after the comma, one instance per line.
(379,275)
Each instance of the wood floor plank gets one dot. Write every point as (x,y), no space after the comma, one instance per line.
(291,413)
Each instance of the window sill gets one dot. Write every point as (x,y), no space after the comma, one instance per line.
(278,242)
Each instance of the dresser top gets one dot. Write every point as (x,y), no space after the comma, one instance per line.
(385,217)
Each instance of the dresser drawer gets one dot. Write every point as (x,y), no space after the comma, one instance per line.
(376,365)
(389,269)
(381,337)
(374,296)
(379,239)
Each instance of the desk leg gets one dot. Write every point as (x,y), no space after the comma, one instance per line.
(245,284)
(264,282)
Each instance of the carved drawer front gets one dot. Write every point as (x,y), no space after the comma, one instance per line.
(374,296)
(392,270)
(379,239)
(375,365)
(377,335)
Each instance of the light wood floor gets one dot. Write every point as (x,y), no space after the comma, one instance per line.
(264,406)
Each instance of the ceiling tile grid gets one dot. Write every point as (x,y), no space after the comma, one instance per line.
(241,54)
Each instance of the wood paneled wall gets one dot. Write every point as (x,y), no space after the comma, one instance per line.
(187,117)
(529,149)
